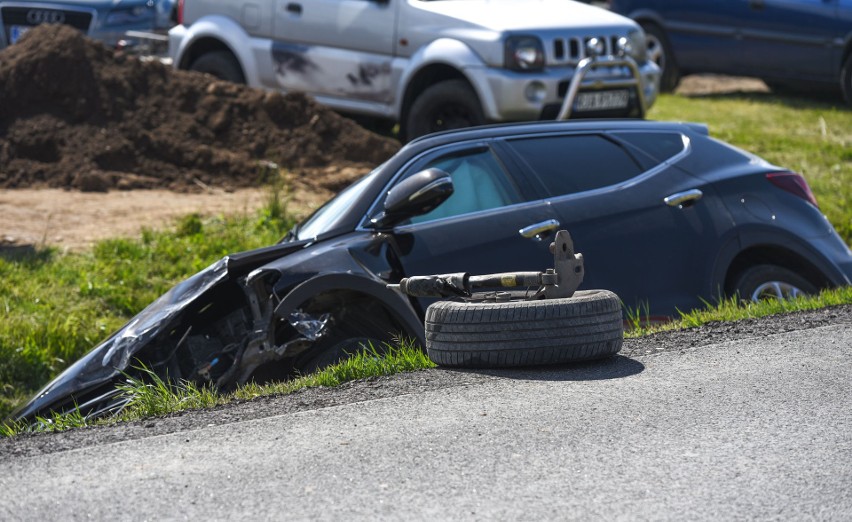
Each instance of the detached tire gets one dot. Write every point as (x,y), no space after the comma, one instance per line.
(450,104)
(525,333)
(220,64)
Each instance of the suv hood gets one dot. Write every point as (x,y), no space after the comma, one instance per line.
(511,15)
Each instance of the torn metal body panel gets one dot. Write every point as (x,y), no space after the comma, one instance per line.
(243,318)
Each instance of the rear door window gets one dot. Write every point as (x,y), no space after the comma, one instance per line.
(569,164)
(660,146)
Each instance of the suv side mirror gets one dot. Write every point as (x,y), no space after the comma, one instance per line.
(416,195)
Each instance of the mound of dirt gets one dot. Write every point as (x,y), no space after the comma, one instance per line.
(75,114)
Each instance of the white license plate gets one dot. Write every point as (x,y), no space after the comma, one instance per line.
(601,100)
(17,31)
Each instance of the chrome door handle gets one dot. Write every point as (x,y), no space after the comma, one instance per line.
(538,230)
(682,199)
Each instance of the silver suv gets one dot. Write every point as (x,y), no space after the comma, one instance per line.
(428,65)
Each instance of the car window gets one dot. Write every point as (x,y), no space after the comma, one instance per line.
(479,183)
(659,145)
(569,164)
(324,217)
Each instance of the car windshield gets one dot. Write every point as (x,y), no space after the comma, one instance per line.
(321,220)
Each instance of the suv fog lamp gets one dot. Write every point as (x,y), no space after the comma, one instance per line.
(535,92)
(595,47)
(524,53)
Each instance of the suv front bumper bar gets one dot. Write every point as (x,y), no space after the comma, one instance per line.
(587,65)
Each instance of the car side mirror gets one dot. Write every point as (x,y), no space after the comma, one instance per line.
(415,195)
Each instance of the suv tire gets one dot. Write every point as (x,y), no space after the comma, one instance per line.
(450,104)
(846,79)
(220,64)
(586,326)
(660,51)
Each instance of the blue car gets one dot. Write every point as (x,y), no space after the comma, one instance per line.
(665,216)
(104,20)
(787,43)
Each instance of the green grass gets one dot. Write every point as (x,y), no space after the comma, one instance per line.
(811,137)
(56,306)
(733,309)
(150,396)
(403,357)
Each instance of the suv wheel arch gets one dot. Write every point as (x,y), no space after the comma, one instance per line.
(422,80)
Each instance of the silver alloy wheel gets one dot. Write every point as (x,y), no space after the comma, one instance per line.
(656,51)
(776,290)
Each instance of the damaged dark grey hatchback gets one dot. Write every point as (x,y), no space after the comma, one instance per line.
(665,216)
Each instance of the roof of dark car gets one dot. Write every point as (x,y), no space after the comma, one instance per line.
(535,127)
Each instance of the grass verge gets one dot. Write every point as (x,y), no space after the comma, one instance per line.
(56,306)
(151,397)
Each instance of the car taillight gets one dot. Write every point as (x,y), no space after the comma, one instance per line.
(180,12)
(794,184)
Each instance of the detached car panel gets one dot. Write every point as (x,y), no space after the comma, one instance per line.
(666,217)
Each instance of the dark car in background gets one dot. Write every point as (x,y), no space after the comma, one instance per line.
(108,21)
(798,44)
(664,215)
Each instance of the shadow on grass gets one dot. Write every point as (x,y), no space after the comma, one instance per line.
(616,367)
(25,254)
(812,101)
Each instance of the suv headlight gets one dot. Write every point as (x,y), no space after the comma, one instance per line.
(634,45)
(524,53)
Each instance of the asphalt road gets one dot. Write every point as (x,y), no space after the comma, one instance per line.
(756,428)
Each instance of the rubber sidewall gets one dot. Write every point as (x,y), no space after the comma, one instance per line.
(755,276)
(455,96)
(587,326)
(220,64)
(670,73)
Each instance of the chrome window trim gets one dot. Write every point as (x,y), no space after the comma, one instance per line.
(687,149)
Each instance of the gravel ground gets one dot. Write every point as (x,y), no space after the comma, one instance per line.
(416,382)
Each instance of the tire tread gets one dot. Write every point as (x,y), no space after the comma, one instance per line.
(524,333)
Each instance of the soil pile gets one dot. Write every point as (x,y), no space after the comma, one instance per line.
(74,114)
